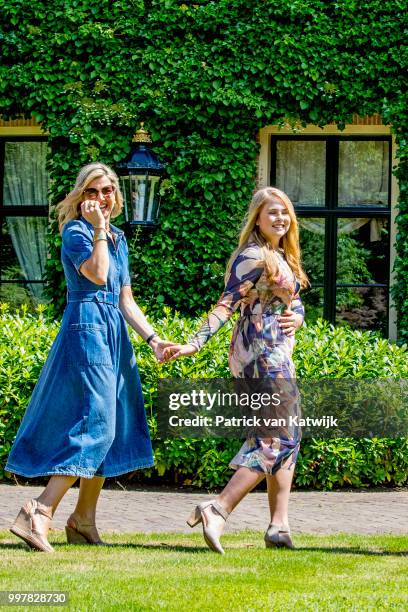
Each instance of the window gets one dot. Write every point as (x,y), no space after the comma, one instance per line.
(24,212)
(340,187)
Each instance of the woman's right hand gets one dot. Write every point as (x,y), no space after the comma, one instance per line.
(91,212)
(178,350)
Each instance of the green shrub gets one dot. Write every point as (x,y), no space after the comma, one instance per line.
(324,351)
(321,352)
(348,462)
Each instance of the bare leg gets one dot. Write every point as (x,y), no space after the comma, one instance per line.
(241,483)
(278,495)
(89,491)
(55,490)
(33,521)
(81,527)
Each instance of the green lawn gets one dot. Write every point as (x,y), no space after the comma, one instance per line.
(177,572)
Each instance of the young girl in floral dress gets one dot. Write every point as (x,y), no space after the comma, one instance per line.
(263,279)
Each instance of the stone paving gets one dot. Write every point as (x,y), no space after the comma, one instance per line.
(161,510)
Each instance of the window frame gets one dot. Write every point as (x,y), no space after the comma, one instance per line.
(331,212)
(17,210)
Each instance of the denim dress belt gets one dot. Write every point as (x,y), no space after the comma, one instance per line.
(99,295)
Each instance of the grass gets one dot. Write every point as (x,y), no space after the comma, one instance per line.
(177,572)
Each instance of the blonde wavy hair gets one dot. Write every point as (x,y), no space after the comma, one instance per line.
(250,233)
(69,208)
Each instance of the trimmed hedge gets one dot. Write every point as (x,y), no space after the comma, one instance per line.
(321,352)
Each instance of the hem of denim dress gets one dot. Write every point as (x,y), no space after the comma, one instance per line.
(133,468)
(79,472)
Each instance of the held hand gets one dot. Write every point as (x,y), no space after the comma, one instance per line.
(290,321)
(91,212)
(158,345)
(178,350)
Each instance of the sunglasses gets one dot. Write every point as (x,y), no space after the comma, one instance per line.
(92,193)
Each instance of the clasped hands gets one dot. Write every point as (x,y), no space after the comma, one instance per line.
(165,350)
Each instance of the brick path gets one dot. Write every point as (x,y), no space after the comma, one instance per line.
(147,510)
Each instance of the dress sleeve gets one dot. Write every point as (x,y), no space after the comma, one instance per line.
(77,245)
(245,272)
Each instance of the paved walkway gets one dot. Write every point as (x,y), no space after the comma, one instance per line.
(148,510)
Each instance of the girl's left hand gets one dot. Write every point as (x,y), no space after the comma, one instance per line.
(290,321)
(158,345)
(179,350)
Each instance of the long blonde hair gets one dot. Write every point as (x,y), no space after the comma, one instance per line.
(68,208)
(250,233)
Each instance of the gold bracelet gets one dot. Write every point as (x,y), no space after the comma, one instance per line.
(98,239)
(100,235)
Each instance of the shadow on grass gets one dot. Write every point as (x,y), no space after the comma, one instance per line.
(17,546)
(197,549)
(339,550)
(352,551)
(148,546)
(60,545)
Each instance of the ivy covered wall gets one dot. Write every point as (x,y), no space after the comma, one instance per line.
(205,77)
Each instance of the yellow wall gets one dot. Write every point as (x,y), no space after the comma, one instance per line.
(20,127)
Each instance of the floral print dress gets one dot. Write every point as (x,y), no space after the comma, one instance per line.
(259,347)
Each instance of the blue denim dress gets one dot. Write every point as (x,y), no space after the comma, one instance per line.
(86,416)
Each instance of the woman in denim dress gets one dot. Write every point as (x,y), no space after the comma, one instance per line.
(263,278)
(86,417)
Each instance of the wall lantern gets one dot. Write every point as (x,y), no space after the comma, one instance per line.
(140,175)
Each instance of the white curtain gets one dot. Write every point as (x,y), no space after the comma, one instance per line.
(28,238)
(345,226)
(363,172)
(300,170)
(26,184)
(363,178)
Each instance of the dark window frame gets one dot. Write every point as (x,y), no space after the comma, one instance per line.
(331,212)
(17,211)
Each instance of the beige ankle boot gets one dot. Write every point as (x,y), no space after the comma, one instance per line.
(278,536)
(211,528)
